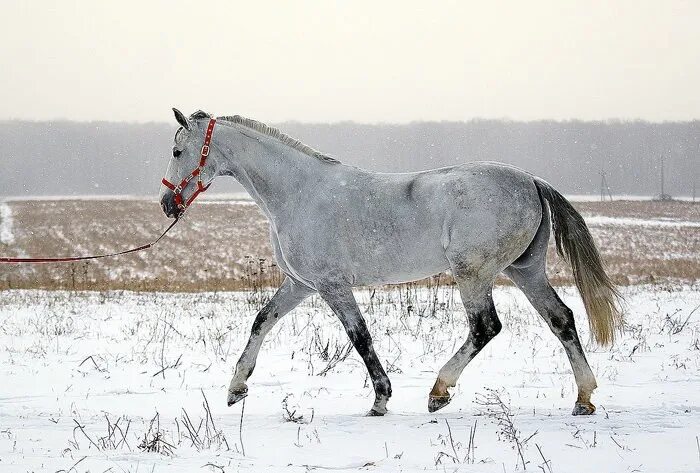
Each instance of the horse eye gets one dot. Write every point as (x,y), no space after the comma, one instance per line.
(176,153)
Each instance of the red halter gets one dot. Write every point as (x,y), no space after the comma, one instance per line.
(197,172)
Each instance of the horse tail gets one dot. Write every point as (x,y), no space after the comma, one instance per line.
(575,245)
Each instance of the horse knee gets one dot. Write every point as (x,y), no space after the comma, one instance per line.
(494,328)
(263,320)
(484,329)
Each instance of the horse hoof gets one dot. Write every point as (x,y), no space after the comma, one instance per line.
(375,413)
(435,403)
(583,409)
(235,396)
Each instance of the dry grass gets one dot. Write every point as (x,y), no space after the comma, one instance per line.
(224,246)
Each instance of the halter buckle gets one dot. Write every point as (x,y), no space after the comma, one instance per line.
(205,151)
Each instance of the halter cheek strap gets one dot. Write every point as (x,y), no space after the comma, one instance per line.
(197,172)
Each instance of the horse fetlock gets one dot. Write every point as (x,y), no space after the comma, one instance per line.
(441,386)
(593,386)
(584,393)
(382,388)
(379,407)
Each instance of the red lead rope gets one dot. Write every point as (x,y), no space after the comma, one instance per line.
(68,259)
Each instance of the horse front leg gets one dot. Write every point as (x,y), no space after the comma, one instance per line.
(287,297)
(342,302)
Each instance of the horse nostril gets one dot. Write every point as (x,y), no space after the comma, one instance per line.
(168,206)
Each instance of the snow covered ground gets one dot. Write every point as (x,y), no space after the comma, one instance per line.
(84,374)
(640,222)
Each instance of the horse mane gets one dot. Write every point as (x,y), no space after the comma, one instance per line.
(272,132)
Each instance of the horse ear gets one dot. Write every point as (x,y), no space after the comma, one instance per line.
(199,114)
(181,119)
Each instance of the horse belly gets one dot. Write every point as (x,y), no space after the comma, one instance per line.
(383,251)
(399,264)
(402,255)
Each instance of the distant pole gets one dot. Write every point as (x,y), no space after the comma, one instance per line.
(604,188)
(663,194)
(695,179)
(602,178)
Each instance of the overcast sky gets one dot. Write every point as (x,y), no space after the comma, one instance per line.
(368,61)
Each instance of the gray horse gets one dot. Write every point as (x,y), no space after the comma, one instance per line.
(334,227)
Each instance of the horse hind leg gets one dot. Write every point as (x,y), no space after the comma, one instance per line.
(532,280)
(484,325)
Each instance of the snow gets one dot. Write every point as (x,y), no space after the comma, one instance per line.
(672,223)
(6,235)
(618,197)
(85,359)
(227,202)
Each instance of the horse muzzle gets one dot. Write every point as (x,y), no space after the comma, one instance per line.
(169,206)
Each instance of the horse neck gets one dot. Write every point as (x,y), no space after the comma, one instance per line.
(273,173)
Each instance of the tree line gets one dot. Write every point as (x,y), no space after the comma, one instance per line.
(67,158)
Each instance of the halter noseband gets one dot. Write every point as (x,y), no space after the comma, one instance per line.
(197,172)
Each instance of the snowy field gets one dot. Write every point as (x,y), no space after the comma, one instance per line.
(136,382)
